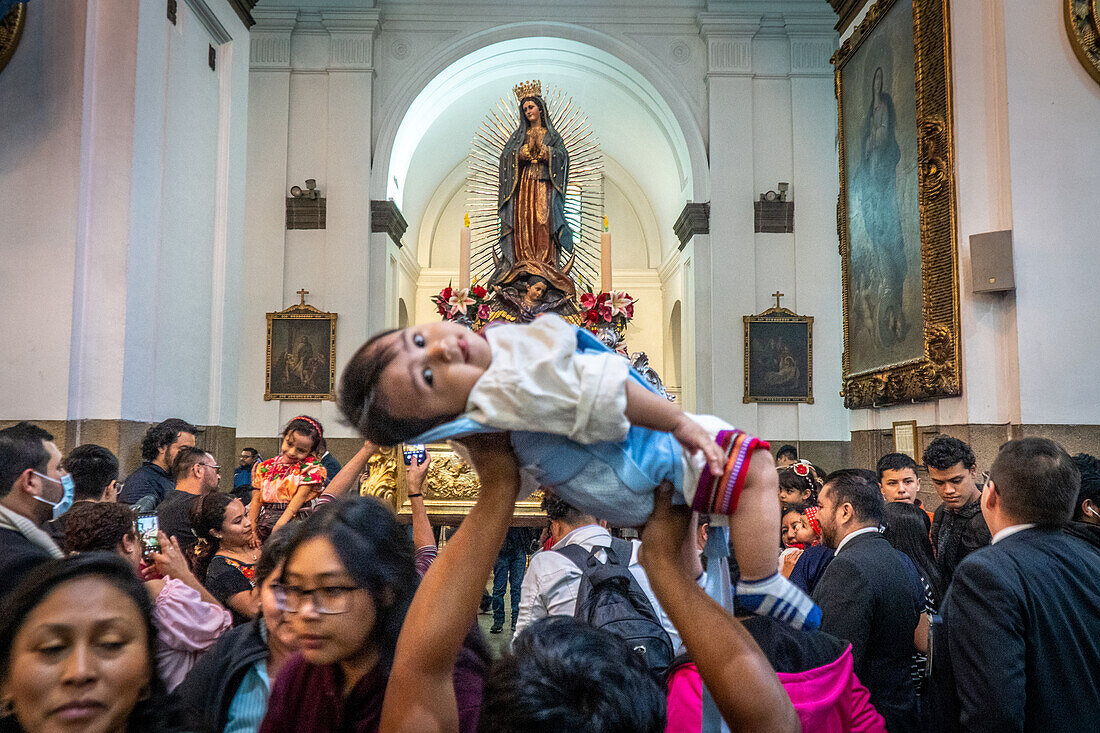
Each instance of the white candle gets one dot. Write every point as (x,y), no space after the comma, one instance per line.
(464,257)
(605,262)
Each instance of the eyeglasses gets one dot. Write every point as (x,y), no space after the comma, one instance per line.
(329,600)
(213,466)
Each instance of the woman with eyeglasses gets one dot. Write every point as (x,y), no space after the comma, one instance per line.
(349,577)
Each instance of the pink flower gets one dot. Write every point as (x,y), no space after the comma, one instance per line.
(605,312)
(588,300)
(458,301)
(620,301)
(483,311)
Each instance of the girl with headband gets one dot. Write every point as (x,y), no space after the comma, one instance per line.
(282,486)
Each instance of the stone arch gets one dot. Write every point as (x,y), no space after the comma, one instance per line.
(681,125)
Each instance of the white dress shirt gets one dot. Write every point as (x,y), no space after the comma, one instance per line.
(849,536)
(552,581)
(1010,531)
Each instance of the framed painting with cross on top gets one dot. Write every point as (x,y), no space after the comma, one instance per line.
(779,357)
(301,353)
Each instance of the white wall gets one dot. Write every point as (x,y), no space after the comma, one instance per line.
(41,92)
(131,152)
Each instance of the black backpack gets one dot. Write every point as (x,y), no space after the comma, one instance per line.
(610,598)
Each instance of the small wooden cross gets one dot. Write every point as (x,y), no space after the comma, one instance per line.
(303,293)
(777,295)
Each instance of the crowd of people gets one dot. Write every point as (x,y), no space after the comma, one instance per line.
(292,603)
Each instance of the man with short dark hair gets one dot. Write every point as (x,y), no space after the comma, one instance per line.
(149,483)
(786,456)
(94,472)
(897,480)
(870,594)
(958,527)
(242,475)
(32,485)
(196,474)
(1022,616)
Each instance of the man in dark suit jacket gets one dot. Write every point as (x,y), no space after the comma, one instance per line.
(1022,617)
(870,595)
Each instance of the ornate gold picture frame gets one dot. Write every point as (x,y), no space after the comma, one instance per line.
(450,489)
(896,215)
(11,31)
(301,354)
(1083,28)
(779,357)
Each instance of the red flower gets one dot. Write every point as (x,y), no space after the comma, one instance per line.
(478,291)
(483,311)
(605,312)
(446,293)
(441,309)
(591,317)
(629,311)
(588,300)
(604,297)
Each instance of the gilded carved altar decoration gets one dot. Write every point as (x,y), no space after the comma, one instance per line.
(896,215)
(1083,28)
(13,17)
(450,488)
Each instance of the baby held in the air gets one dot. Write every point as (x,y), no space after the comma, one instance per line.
(584,424)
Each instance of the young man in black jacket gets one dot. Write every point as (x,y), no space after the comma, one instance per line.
(958,527)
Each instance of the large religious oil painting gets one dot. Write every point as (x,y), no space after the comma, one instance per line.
(301,354)
(896,215)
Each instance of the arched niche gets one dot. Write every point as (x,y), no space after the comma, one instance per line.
(644,125)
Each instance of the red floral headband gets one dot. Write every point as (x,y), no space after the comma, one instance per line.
(312,422)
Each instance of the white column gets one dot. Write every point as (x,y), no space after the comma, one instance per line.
(724,267)
(265,213)
(346,253)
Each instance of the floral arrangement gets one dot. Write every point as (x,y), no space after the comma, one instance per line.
(600,311)
(465,304)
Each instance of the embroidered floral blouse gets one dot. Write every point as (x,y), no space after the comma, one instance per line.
(277,481)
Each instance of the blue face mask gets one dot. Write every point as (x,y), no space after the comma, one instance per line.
(68,492)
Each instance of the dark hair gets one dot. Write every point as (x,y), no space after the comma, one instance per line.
(565,675)
(164,434)
(308,427)
(186,458)
(206,515)
(363,405)
(93,468)
(377,553)
(907,530)
(97,526)
(560,510)
(274,551)
(945,451)
(251,451)
(21,447)
(150,713)
(896,462)
(798,507)
(858,487)
(1036,480)
(789,479)
(1089,468)
(787,450)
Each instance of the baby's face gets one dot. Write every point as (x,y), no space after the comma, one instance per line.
(435,368)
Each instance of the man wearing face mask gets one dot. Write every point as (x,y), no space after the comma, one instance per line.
(33,490)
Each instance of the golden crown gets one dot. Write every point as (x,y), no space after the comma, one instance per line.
(528,89)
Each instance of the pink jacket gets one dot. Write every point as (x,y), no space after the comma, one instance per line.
(827,699)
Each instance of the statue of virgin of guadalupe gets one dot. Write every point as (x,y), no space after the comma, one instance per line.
(533,175)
